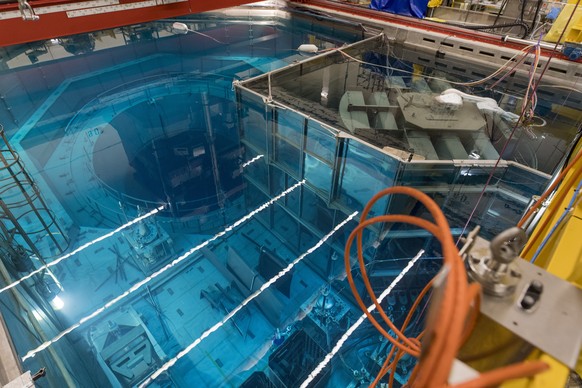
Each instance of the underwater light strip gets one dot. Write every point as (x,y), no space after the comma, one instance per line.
(82,247)
(231,314)
(147,279)
(360,320)
(252,161)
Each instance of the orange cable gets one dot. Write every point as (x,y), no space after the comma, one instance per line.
(397,358)
(347,259)
(385,366)
(451,315)
(437,358)
(513,371)
(413,374)
(436,213)
(449,326)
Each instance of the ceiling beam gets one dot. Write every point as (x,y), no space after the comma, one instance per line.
(62,18)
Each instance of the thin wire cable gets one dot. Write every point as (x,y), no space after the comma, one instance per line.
(549,190)
(231,314)
(470,83)
(392,365)
(558,223)
(510,71)
(359,322)
(505,145)
(146,280)
(544,221)
(570,88)
(552,54)
(567,168)
(82,247)
(205,35)
(530,87)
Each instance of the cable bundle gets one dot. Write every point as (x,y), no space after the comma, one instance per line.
(453,313)
(530,99)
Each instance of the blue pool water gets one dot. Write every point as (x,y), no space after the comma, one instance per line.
(179,196)
(112,133)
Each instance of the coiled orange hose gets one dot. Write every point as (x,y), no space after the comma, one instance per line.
(452,318)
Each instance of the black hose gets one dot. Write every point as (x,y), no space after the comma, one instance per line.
(522,11)
(535,18)
(524,26)
(501,8)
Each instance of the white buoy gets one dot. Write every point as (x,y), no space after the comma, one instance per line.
(308,48)
(180,28)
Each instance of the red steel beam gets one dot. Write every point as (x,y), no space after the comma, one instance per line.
(53,25)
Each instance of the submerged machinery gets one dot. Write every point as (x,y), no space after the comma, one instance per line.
(150,243)
(125,348)
(434,126)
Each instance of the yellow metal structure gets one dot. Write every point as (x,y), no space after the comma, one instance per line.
(491,345)
(434,3)
(566,111)
(561,255)
(573,30)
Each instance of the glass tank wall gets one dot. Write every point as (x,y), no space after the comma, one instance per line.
(381,113)
(171,197)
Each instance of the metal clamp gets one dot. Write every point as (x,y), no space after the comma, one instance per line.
(498,273)
(26,11)
(41,373)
